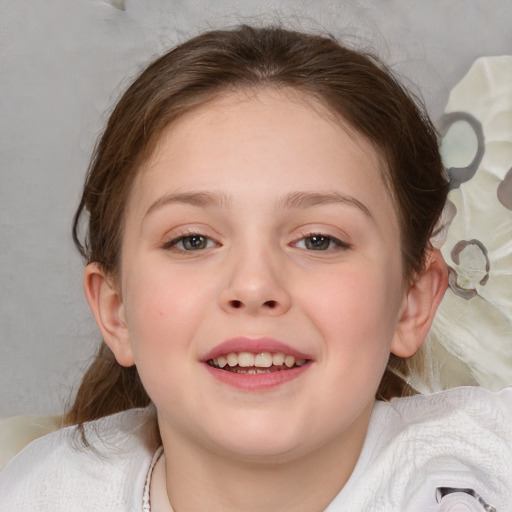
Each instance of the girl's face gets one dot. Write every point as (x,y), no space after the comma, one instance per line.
(261,233)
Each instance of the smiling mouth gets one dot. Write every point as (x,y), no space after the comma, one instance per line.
(253,364)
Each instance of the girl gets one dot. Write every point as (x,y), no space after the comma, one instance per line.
(258,263)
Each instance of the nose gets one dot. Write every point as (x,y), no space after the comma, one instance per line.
(256,285)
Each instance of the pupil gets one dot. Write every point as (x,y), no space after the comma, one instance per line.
(318,242)
(194,242)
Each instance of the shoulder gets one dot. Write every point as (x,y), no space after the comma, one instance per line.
(421,451)
(59,472)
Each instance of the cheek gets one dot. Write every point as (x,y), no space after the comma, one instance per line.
(157,292)
(357,312)
(162,316)
(163,309)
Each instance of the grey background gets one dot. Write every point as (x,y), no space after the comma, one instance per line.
(62,65)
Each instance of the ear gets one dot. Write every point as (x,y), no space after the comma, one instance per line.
(107,307)
(419,306)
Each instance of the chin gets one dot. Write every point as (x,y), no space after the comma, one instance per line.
(273,454)
(261,445)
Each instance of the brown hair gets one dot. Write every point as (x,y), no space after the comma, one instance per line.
(355,86)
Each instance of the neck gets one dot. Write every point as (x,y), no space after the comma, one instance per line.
(199,479)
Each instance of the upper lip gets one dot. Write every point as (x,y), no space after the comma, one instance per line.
(254,346)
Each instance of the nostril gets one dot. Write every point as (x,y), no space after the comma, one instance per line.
(237,304)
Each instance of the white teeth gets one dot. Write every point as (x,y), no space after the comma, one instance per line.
(245,359)
(252,371)
(278,359)
(257,362)
(289,361)
(263,360)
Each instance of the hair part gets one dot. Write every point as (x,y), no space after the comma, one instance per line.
(356,87)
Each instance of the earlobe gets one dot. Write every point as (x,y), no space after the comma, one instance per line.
(420,305)
(107,307)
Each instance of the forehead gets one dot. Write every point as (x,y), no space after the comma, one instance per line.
(281,140)
(250,117)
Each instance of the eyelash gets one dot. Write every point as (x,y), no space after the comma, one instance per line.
(338,244)
(172,244)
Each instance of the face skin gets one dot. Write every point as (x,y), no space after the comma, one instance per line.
(258,218)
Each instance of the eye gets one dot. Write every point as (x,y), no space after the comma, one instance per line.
(318,242)
(192,242)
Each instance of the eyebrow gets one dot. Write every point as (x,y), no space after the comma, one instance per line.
(216,199)
(309,199)
(199,199)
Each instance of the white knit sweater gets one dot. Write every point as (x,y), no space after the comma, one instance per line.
(451,451)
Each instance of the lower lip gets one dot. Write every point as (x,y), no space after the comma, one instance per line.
(257,381)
